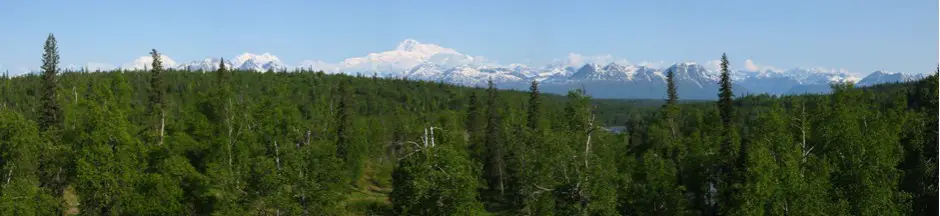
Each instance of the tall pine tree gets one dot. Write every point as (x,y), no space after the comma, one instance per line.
(494,166)
(671,88)
(346,147)
(730,165)
(535,107)
(474,125)
(157,113)
(50,69)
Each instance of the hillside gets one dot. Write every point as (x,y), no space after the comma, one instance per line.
(241,142)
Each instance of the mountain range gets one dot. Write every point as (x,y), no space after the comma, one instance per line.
(246,61)
(418,61)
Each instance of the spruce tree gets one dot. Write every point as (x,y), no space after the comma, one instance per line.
(342,122)
(725,95)
(671,111)
(346,147)
(224,166)
(50,68)
(223,104)
(157,92)
(474,125)
(222,74)
(493,169)
(535,106)
(671,88)
(730,164)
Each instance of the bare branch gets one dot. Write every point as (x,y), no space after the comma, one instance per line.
(277,155)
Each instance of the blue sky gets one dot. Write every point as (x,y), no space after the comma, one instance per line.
(860,35)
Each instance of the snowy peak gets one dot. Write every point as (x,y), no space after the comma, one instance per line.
(254,62)
(615,67)
(464,74)
(820,75)
(888,77)
(263,58)
(425,72)
(398,62)
(413,46)
(415,60)
(610,72)
(245,61)
(208,64)
(146,62)
(408,45)
(694,73)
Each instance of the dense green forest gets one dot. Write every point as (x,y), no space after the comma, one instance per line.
(167,142)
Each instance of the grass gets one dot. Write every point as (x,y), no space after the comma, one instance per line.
(71,201)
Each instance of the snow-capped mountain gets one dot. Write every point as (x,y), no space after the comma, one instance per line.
(793,81)
(888,77)
(245,61)
(263,62)
(406,56)
(820,75)
(415,60)
(144,62)
(208,64)
(694,73)
(602,76)
(465,74)
(594,72)
(554,72)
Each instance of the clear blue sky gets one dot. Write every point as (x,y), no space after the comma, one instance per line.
(859,35)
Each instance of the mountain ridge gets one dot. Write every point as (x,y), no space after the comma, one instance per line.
(412,59)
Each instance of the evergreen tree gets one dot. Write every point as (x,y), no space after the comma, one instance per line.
(494,166)
(158,115)
(269,144)
(347,148)
(657,189)
(725,98)
(224,161)
(474,124)
(535,107)
(222,74)
(50,70)
(729,168)
(725,95)
(534,166)
(671,88)
(670,114)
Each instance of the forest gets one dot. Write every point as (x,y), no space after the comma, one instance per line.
(227,142)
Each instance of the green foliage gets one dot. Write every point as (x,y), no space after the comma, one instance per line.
(50,69)
(729,169)
(307,143)
(494,166)
(20,150)
(671,91)
(534,115)
(348,146)
(157,92)
(435,178)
